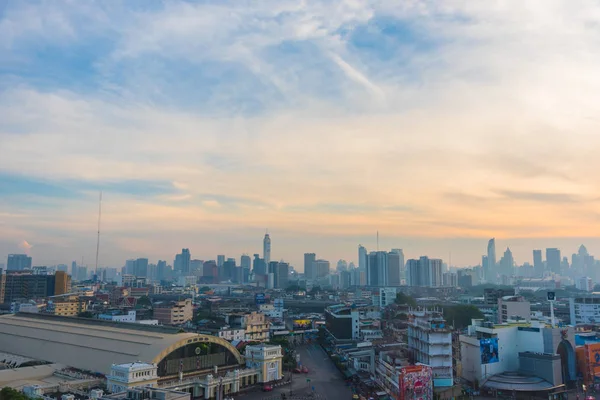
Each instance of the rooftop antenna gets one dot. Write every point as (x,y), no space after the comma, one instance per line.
(377,240)
(98,240)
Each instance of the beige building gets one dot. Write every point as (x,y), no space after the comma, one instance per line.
(131,375)
(513,307)
(268,359)
(174,313)
(66,306)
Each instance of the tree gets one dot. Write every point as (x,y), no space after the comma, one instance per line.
(85,314)
(144,301)
(8,393)
(404,299)
(461,315)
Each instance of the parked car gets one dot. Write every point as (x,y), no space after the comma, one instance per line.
(304,370)
(267,388)
(298,370)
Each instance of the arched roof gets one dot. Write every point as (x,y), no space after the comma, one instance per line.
(92,345)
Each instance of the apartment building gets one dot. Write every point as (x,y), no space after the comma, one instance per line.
(174,312)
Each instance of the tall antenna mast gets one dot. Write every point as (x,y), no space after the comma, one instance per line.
(377,240)
(98,240)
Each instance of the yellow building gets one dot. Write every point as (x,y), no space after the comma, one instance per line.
(67,306)
(62,283)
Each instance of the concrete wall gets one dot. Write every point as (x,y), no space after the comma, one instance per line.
(546,366)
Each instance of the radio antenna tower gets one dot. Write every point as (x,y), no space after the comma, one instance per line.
(377,240)
(98,240)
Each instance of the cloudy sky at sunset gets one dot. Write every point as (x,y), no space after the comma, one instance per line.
(438,123)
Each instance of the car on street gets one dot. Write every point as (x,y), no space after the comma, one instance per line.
(267,388)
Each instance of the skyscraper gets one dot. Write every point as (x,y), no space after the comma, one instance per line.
(141,267)
(267,249)
(377,268)
(321,268)
(553,260)
(220,260)
(538,264)
(309,267)
(400,253)
(18,262)
(491,254)
(161,270)
(425,272)
(362,257)
(507,263)
(281,275)
(246,265)
(393,261)
(259,267)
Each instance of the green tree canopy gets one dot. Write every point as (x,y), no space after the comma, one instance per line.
(8,393)
(460,315)
(144,301)
(404,299)
(86,314)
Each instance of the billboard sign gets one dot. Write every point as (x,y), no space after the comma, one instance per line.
(302,323)
(416,383)
(488,349)
(259,298)
(551,296)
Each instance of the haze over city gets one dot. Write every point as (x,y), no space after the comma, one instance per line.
(438,124)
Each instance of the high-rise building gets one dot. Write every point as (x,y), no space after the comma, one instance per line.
(182,262)
(27,286)
(259,266)
(491,258)
(74,269)
(362,257)
(161,270)
(309,270)
(393,262)
(267,249)
(220,260)
(62,283)
(377,268)
(400,253)
(211,272)
(281,277)
(2,285)
(18,262)
(321,268)
(140,268)
(425,272)
(538,264)
(342,265)
(553,260)
(507,263)
(130,267)
(246,264)
(227,272)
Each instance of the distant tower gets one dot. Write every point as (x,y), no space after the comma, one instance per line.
(491,260)
(267,249)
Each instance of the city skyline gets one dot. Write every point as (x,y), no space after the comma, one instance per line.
(438,126)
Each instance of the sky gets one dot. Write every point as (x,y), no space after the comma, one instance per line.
(438,124)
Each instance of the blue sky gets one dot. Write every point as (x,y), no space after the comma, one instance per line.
(440,124)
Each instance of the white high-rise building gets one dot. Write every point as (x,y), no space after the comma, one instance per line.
(267,249)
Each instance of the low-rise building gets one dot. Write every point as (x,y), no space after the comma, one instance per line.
(255,325)
(344,322)
(174,312)
(129,376)
(66,308)
(231,334)
(512,307)
(268,359)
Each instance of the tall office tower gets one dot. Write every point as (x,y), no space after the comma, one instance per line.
(246,264)
(161,270)
(484,266)
(400,253)
(73,269)
(342,265)
(62,283)
(362,257)
(309,270)
(227,272)
(211,272)
(491,258)
(507,263)
(377,268)
(281,275)
(259,267)
(393,261)
(130,267)
(321,268)
(82,274)
(538,264)
(185,262)
(267,249)
(425,272)
(140,268)
(25,285)
(553,260)
(196,267)
(220,260)
(18,262)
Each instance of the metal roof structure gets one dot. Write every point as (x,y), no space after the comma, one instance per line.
(92,345)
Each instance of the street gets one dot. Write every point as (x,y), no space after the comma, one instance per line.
(323,375)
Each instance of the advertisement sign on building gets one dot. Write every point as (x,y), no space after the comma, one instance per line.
(416,383)
(489,350)
(259,298)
